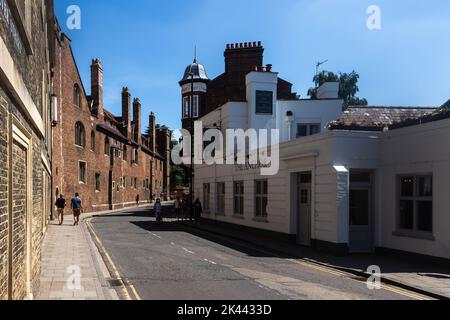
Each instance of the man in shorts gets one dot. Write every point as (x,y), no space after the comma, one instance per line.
(77,208)
(60,206)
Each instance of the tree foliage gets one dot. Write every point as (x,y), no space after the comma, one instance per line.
(178,174)
(348,86)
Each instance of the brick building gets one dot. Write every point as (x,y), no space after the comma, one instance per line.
(105,158)
(25,142)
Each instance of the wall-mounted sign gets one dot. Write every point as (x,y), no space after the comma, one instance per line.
(248,166)
(264,102)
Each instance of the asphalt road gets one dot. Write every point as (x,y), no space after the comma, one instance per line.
(173,262)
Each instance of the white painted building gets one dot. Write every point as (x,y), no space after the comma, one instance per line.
(300,117)
(345,190)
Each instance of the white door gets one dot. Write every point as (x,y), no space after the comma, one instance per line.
(360,220)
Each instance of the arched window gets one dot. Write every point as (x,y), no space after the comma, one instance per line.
(77,95)
(80,135)
(93,141)
(125,153)
(107,146)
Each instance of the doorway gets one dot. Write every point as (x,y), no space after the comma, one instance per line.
(304,204)
(360,212)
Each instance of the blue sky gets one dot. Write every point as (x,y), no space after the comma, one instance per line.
(146,45)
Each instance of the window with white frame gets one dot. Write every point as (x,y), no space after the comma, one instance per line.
(195,108)
(220,198)
(206,197)
(416,203)
(82,171)
(307,129)
(261,191)
(186,107)
(80,135)
(238,196)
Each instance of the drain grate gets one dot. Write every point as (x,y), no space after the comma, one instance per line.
(114,283)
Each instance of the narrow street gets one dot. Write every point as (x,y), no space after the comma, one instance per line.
(176,262)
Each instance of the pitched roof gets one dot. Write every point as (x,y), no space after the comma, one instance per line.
(380,116)
(109,116)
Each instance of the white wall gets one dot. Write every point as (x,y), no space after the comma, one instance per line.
(420,149)
(307,112)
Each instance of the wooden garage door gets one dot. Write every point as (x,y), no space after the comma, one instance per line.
(19,221)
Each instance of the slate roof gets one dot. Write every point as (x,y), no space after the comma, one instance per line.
(199,73)
(381,116)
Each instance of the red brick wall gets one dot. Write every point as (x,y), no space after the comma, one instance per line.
(67,155)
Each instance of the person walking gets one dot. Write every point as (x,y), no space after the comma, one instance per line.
(77,207)
(137,200)
(60,206)
(158,211)
(178,208)
(198,210)
(184,207)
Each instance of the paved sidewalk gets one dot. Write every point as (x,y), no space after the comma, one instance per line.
(420,276)
(71,265)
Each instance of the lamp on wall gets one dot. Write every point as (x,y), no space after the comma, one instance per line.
(289,120)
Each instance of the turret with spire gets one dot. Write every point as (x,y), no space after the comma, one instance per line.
(194,76)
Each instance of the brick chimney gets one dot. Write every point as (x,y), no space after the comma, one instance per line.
(152,132)
(243,57)
(126,112)
(97,87)
(137,120)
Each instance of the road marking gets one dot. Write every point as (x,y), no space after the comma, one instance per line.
(209,261)
(386,287)
(155,235)
(113,266)
(188,251)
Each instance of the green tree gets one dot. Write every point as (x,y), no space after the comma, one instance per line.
(177,175)
(348,86)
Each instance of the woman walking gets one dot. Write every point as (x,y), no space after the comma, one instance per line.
(158,211)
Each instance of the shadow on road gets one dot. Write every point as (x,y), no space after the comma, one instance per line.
(258,246)
(184,227)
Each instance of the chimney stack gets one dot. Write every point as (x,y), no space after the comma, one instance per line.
(152,132)
(97,87)
(242,57)
(137,120)
(126,112)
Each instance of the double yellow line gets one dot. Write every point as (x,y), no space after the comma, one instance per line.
(114,270)
(339,273)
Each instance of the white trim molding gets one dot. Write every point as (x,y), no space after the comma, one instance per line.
(10,74)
